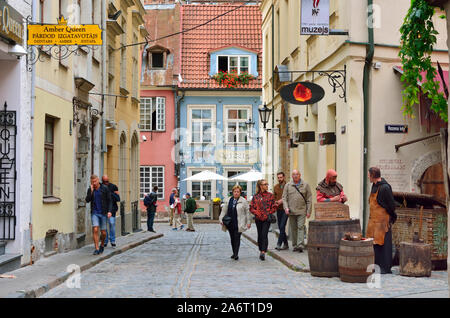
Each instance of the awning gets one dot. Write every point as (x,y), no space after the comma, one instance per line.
(437,78)
(427,117)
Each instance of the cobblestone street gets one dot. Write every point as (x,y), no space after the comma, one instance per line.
(198,264)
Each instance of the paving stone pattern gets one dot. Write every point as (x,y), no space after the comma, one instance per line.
(197,264)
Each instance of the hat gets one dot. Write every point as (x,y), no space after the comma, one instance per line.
(188,194)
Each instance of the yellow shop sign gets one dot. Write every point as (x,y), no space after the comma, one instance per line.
(64,34)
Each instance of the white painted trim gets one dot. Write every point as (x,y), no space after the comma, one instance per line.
(225,183)
(239,62)
(213,182)
(189,122)
(225,124)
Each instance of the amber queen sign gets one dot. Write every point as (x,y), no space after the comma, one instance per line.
(64,34)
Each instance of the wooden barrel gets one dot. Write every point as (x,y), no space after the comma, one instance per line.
(323,245)
(415,259)
(354,258)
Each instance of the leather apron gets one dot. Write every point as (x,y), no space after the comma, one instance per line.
(378,221)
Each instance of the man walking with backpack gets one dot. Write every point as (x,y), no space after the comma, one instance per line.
(297,203)
(150,202)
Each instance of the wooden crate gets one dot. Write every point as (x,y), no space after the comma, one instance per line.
(434,229)
(331,211)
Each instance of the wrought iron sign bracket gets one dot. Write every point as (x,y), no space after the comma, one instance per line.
(336,78)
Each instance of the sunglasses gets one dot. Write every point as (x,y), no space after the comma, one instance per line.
(264,184)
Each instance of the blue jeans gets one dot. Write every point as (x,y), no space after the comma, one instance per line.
(150,218)
(282,221)
(112,230)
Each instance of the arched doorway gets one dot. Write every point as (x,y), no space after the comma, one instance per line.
(432,182)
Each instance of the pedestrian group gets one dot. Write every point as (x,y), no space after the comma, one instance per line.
(290,201)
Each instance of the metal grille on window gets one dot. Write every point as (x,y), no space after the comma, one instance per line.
(8,132)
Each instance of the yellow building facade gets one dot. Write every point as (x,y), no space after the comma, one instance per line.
(121,156)
(381,100)
(85,121)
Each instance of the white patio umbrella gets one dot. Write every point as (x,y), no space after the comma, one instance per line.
(205,175)
(250,176)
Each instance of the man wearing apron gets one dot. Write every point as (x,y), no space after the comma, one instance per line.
(382,216)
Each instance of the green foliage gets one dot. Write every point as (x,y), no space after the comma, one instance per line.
(418,36)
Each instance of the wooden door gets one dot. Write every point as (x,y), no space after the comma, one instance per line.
(432,182)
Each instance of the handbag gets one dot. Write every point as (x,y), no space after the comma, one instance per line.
(271,218)
(226,220)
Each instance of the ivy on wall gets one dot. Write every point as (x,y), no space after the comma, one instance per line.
(418,36)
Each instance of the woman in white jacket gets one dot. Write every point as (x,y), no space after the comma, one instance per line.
(237,208)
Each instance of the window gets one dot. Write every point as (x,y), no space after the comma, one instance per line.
(236,130)
(201,190)
(233,63)
(201,125)
(157,60)
(153,113)
(49,143)
(152,176)
(231,184)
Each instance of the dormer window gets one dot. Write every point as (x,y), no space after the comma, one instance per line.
(157,60)
(233,63)
(157,57)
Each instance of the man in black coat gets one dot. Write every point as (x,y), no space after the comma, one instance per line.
(150,201)
(101,205)
(112,220)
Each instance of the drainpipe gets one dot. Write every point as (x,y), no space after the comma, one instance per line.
(273,93)
(104,77)
(33,98)
(366,93)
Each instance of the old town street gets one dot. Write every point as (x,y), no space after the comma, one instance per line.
(197,264)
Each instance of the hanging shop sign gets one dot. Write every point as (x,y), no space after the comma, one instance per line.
(305,136)
(396,129)
(302,93)
(11,23)
(328,138)
(64,34)
(315,17)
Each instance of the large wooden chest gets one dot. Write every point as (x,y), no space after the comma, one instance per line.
(331,211)
(434,223)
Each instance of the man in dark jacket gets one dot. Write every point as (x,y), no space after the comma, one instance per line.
(382,216)
(112,220)
(150,203)
(101,206)
(190,208)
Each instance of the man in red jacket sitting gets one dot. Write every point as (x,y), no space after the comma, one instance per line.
(329,190)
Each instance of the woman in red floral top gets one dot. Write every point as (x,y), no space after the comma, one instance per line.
(263,204)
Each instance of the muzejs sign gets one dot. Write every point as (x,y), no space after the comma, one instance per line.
(315,17)
(64,34)
(11,23)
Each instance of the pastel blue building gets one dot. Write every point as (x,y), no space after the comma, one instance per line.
(213,119)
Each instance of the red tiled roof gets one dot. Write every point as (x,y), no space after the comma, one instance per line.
(240,28)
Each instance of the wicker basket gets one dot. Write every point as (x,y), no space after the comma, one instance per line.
(434,223)
(331,211)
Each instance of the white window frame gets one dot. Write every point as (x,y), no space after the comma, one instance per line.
(242,169)
(160,104)
(147,189)
(212,121)
(239,62)
(213,182)
(226,120)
